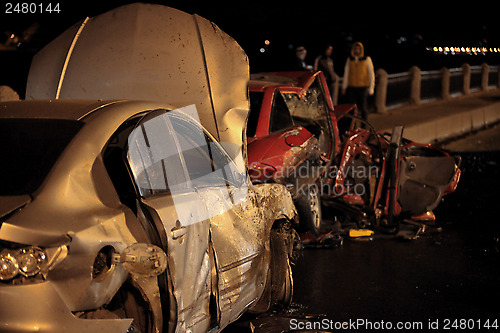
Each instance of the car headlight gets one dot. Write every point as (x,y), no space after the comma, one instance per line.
(28,261)
(31,260)
(9,267)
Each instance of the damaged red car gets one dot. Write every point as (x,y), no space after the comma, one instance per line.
(291,138)
(297,138)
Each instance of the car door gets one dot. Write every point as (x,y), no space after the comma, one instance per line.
(169,199)
(237,224)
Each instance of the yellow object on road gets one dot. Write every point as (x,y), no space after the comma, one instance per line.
(360,233)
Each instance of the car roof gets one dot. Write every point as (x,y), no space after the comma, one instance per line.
(51,109)
(299,80)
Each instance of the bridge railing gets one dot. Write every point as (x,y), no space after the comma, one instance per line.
(416,87)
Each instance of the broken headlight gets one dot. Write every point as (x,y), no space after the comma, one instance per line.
(30,261)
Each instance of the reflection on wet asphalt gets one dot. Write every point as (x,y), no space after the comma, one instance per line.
(451,274)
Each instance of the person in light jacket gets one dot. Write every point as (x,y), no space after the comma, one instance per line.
(359,78)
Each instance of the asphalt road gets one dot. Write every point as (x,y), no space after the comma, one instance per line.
(448,279)
(482,141)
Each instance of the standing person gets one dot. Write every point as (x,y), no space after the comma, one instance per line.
(359,78)
(300,59)
(324,63)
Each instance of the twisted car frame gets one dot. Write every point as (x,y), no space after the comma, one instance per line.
(119,214)
(291,138)
(296,137)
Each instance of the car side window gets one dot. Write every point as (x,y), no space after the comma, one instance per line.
(311,106)
(153,156)
(253,117)
(316,98)
(113,158)
(280,115)
(206,163)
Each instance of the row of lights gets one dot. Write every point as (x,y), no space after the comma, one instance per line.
(464,50)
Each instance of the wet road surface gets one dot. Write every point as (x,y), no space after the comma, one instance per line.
(484,140)
(435,279)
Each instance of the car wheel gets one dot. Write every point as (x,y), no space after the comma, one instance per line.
(281,271)
(309,209)
(128,303)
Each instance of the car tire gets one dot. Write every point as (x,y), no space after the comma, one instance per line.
(309,209)
(129,303)
(281,271)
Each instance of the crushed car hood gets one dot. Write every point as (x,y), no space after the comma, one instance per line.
(273,148)
(154,53)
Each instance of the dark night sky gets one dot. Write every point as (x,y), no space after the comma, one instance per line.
(313,24)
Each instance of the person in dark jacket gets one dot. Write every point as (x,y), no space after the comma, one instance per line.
(324,63)
(300,60)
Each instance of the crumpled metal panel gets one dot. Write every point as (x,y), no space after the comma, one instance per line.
(228,74)
(80,209)
(47,313)
(134,52)
(240,238)
(149,52)
(70,285)
(296,166)
(188,263)
(423,182)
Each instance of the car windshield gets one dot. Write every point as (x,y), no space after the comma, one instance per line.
(312,112)
(253,117)
(29,149)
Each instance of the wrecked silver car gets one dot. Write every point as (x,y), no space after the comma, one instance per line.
(122,215)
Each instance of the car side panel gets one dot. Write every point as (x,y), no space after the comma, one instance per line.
(188,259)
(241,242)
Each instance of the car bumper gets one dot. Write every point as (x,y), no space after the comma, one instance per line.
(39,308)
